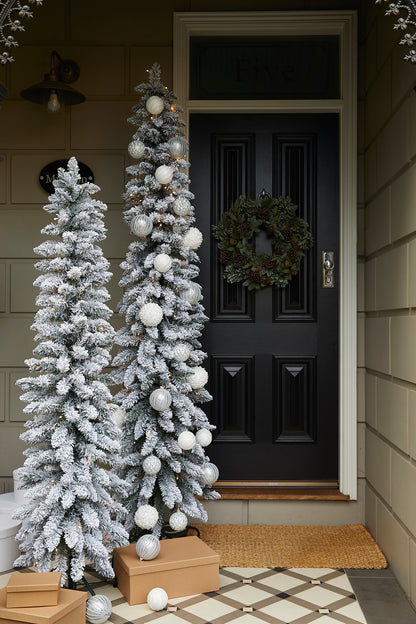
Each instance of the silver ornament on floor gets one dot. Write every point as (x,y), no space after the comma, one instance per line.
(136,149)
(177,146)
(178,521)
(160,399)
(210,473)
(147,547)
(151,314)
(181,206)
(146,517)
(162,262)
(192,294)
(152,465)
(181,352)
(98,609)
(154,105)
(203,437)
(141,225)
(164,174)
(157,599)
(186,440)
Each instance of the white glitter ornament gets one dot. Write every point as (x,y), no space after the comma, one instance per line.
(160,399)
(192,238)
(151,314)
(210,473)
(198,378)
(164,174)
(136,149)
(177,146)
(98,609)
(155,105)
(181,206)
(146,517)
(152,465)
(186,440)
(147,547)
(141,225)
(181,352)
(157,599)
(203,437)
(162,262)
(192,294)
(119,416)
(178,521)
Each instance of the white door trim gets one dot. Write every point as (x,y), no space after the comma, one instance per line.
(343,24)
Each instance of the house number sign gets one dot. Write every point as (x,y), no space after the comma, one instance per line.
(50,171)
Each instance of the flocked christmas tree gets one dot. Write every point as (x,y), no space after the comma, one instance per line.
(159,363)
(71,513)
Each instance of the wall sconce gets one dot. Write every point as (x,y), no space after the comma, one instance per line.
(54,90)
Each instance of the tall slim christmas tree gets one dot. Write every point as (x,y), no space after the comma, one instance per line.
(71,513)
(164,432)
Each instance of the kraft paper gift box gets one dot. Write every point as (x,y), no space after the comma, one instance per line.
(184,566)
(34,589)
(69,610)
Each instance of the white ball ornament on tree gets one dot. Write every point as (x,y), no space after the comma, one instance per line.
(210,473)
(151,314)
(203,437)
(136,149)
(157,599)
(164,174)
(147,547)
(154,105)
(119,416)
(160,399)
(178,521)
(198,378)
(192,238)
(162,262)
(152,465)
(177,146)
(192,294)
(98,609)
(181,352)
(186,440)
(141,225)
(181,206)
(146,517)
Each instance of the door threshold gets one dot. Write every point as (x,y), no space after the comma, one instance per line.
(280,490)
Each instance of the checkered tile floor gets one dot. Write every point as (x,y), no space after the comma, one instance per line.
(250,596)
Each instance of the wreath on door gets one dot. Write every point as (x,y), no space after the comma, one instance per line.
(235,232)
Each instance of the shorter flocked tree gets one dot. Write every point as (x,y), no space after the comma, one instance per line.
(72,515)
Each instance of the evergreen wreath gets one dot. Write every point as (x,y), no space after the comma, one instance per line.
(289,235)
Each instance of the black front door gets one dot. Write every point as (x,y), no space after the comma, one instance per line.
(273,352)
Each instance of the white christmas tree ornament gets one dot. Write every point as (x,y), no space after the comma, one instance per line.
(141,225)
(178,521)
(182,206)
(155,105)
(162,263)
(136,149)
(152,465)
(181,352)
(203,437)
(198,378)
(186,440)
(192,238)
(164,174)
(151,314)
(160,399)
(146,517)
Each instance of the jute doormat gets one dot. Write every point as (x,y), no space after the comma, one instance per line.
(259,546)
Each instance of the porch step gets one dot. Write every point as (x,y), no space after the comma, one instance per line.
(232,490)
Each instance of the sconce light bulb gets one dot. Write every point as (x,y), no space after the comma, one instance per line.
(53,103)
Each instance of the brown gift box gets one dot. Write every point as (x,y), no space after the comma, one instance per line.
(69,610)
(184,566)
(34,589)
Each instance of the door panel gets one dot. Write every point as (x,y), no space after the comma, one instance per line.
(273,352)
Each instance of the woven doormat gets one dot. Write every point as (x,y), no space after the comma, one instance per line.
(259,546)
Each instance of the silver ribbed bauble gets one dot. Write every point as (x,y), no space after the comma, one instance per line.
(162,262)
(164,174)
(147,547)
(186,440)
(98,609)
(141,225)
(177,146)
(157,599)
(203,437)
(192,294)
(160,399)
(210,473)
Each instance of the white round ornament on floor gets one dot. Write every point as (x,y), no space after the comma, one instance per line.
(98,609)
(181,206)
(198,378)
(160,399)
(164,174)
(152,465)
(162,262)
(177,146)
(210,472)
(181,352)
(186,440)
(192,238)
(136,149)
(154,105)
(151,314)
(119,416)
(141,225)
(146,517)
(147,547)
(178,521)
(157,599)
(203,437)
(192,294)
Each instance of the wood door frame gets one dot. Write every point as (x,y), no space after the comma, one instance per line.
(343,24)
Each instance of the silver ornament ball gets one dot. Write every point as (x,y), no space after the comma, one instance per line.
(181,206)
(162,262)
(186,440)
(192,238)
(146,517)
(160,399)
(178,521)
(198,377)
(164,174)
(141,225)
(154,105)
(98,609)
(152,465)
(203,437)
(177,146)
(181,352)
(119,416)
(136,149)
(157,599)
(192,294)
(210,473)
(147,547)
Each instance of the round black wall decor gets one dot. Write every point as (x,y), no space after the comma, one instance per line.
(49,172)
